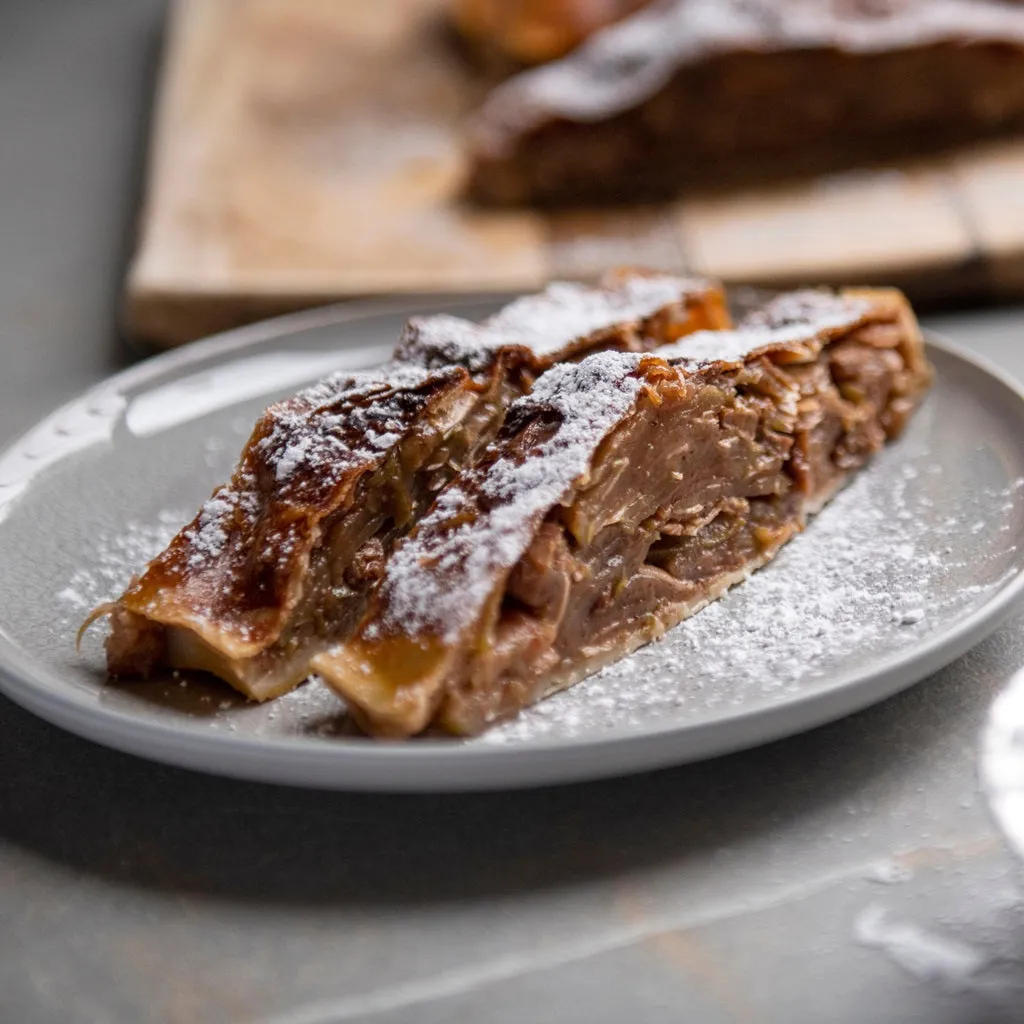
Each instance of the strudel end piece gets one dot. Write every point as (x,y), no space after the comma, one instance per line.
(622,495)
(278,563)
(694,93)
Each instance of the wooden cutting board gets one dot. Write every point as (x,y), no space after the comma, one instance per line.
(306,151)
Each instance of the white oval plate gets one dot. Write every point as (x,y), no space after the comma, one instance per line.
(911,565)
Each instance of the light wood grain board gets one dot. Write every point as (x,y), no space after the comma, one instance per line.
(306,151)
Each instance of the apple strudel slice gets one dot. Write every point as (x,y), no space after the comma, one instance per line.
(623,494)
(278,563)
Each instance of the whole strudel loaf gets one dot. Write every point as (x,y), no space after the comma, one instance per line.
(695,93)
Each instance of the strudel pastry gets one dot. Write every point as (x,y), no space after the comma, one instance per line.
(277,565)
(697,93)
(623,494)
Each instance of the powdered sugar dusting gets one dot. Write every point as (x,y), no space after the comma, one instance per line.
(565,311)
(795,318)
(443,339)
(546,323)
(822,309)
(209,536)
(440,578)
(343,420)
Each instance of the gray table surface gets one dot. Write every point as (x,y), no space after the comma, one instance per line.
(849,875)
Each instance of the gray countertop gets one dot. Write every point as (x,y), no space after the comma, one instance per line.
(849,875)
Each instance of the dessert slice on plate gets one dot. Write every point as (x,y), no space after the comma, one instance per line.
(277,565)
(623,494)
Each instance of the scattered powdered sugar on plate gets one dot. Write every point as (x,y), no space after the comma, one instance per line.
(116,557)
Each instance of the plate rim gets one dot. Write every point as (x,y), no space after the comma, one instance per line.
(365,765)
